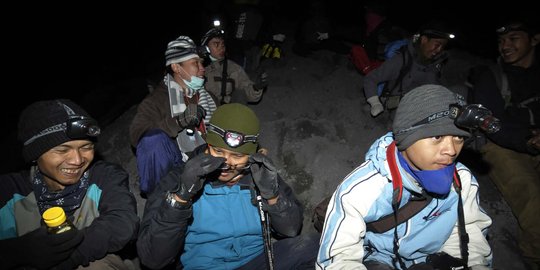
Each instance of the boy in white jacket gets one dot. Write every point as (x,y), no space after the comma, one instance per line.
(422,151)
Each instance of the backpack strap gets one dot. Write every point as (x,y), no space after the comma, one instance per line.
(411,208)
(224,80)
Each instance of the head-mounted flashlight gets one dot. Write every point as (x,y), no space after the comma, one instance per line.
(474,116)
(233,138)
(79,127)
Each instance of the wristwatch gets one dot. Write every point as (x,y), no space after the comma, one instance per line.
(176,204)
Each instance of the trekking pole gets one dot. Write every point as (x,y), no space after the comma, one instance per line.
(266,234)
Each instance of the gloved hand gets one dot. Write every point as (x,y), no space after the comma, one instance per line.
(72,262)
(264,175)
(261,82)
(322,36)
(376,106)
(193,177)
(191,116)
(40,249)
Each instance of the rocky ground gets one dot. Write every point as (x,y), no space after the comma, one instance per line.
(317,126)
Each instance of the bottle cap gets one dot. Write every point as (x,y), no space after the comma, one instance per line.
(54,216)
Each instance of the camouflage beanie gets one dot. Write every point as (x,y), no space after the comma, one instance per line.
(234,127)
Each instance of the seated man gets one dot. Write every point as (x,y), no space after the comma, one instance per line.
(58,138)
(224,76)
(207,214)
(414,163)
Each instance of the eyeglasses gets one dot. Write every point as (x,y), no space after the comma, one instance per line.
(232,138)
(239,166)
(81,127)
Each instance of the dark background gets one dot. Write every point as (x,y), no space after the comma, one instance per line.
(102,56)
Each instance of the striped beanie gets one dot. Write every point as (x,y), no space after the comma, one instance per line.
(179,50)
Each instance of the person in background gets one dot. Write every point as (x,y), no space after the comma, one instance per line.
(513,153)
(171,121)
(419,62)
(207,213)
(414,162)
(223,76)
(58,138)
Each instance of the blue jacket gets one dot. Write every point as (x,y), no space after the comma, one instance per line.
(365,195)
(222,229)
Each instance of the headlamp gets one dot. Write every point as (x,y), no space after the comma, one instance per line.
(79,127)
(474,116)
(437,34)
(232,138)
(511,27)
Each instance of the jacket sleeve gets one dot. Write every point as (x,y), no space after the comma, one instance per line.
(477,223)
(286,216)
(118,222)
(244,83)
(163,228)
(388,71)
(342,238)
(514,133)
(153,113)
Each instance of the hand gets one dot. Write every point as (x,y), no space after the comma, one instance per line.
(376,106)
(72,262)
(261,82)
(193,177)
(192,116)
(264,175)
(322,36)
(40,249)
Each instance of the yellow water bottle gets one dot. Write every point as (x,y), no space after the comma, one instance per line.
(56,220)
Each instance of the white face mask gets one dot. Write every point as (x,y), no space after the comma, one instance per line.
(196,83)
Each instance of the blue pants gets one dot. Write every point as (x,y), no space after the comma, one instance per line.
(290,253)
(156,154)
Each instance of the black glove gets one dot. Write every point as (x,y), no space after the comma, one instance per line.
(261,82)
(72,262)
(192,116)
(265,175)
(193,177)
(40,249)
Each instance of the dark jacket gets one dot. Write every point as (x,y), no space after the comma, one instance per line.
(107,230)
(418,73)
(163,232)
(515,120)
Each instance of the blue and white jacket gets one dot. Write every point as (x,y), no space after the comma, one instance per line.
(365,195)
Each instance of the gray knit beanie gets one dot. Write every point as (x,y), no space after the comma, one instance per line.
(179,50)
(424,112)
(42,125)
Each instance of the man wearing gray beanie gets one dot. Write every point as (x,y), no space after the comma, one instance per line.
(410,178)
(58,139)
(171,121)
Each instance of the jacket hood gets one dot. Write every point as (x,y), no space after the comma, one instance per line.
(377,155)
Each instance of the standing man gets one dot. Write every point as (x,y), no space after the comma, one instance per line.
(171,121)
(208,214)
(224,76)
(414,164)
(58,138)
(512,91)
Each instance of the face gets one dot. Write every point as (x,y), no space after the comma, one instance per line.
(65,164)
(217,48)
(432,47)
(517,48)
(188,68)
(235,163)
(433,153)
